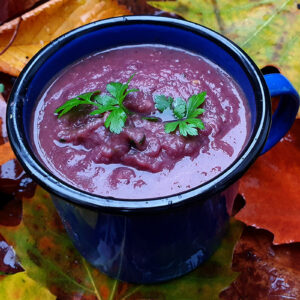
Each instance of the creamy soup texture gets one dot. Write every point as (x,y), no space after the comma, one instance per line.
(143,161)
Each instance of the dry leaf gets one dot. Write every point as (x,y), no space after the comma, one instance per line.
(11,8)
(268,30)
(49,258)
(3,132)
(45,23)
(266,271)
(6,153)
(271,190)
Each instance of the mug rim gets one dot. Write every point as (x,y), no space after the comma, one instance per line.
(79,197)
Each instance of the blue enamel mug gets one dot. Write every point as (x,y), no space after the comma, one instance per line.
(149,240)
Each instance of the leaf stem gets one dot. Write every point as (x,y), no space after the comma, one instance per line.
(265,23)
(97,293)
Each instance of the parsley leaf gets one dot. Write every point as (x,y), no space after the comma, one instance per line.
(112,103)
(1,87)
(179,108)
(162,102)
(171,126)
(106,100)
(193,103)
(116,120)
(185,113)
(74,102)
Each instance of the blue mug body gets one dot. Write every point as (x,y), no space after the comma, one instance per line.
(149,240)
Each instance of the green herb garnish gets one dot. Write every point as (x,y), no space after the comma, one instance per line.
(185,112)
(151,119)
(112,103)
(1,88)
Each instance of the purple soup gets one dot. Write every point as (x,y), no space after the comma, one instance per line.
(143,161)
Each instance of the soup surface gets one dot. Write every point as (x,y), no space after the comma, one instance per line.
(143,161)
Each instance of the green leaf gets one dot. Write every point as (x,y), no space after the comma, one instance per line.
(179,108)
(171,126)
(196,113)
(193,103)
(191,130)
(48,255)
(197,123)
(1,88)
(105,100)
(116,89)
(83,99)
(52,263)
(186,129)
(105,103)
(71,104)
(21,286)
(116,120)
(131,91)
(87,96)
(103,109)
(268,30)
(130,78)
(183,128)
(162,102)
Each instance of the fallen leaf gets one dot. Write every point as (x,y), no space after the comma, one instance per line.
(10,210)
(141,7)
(3,132)
(271,190)
(7,80)
(49,258)
(20,287)
(268,30)
(267,271)
(6,153)
(9,264)
(12,8)
(46,22)
(138,7)
(14,181)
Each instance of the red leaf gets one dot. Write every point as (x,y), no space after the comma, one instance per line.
(267,271)
(14,181)
(10,210)
(272,191)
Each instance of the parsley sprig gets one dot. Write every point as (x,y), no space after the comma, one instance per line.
(185,112)
(112,103)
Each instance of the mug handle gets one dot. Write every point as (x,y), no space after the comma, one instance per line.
(285,114)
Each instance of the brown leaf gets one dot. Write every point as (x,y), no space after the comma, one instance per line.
(271,190)
(14,181)
(46,22)
(12,8)
(267,271)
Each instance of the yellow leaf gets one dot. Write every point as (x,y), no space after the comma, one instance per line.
(268,30)
(45,23)
(26,288)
